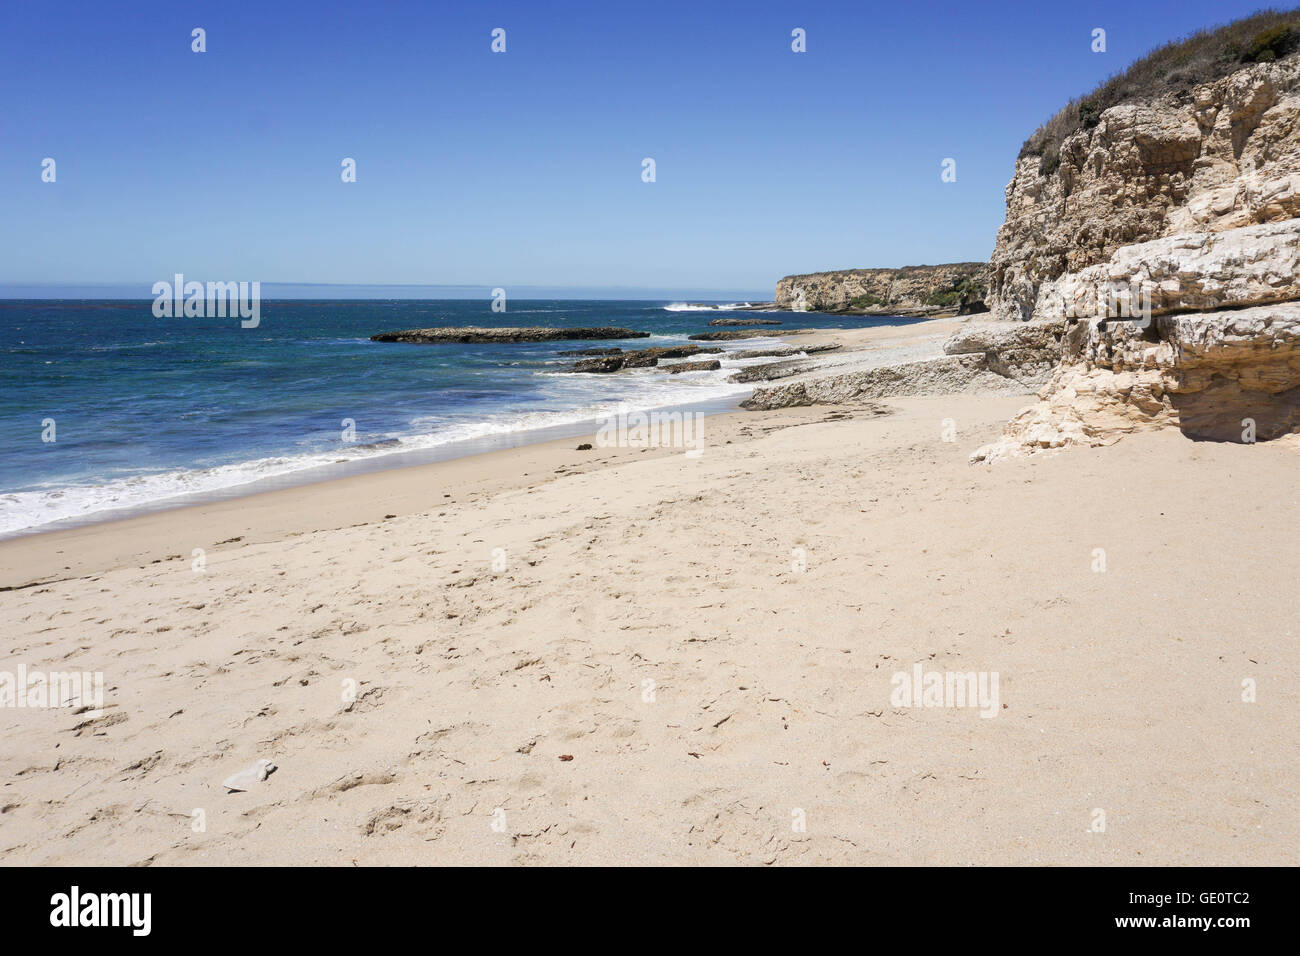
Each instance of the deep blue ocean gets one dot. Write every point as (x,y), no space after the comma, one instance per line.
(150,411)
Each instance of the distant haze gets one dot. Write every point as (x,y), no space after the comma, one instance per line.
(309,290)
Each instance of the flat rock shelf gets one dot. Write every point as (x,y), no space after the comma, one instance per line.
(474,334)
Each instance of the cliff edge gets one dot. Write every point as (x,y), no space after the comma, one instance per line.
(956,288)
(1216,157)
(1162,235)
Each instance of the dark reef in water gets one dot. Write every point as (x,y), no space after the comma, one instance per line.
(474,334)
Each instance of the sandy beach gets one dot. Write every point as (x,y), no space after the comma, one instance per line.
(628,656)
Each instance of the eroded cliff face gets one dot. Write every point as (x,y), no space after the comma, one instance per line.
(1222,377)
(1167,248)
(1219,156)
(950,289)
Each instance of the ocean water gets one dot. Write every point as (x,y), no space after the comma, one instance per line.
(149,412)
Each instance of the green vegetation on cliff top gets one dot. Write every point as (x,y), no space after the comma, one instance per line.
(899,270)
(1203,57)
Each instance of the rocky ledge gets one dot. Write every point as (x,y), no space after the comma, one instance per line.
(474,334)
(710,365)
(1223,376)
(784,351)
(795,361)
(729,334)
(990,358)
(639,358)
(1193,272)
(745,322)
(1197,331)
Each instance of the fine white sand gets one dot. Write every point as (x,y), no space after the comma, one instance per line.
(710,639)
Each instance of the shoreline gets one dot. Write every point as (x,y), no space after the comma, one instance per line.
(353,467)
(767,590)
(343,501)
(270,494)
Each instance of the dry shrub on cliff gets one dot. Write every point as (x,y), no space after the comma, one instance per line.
(1203,57)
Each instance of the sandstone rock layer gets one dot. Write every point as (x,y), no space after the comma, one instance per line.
(1223,376)
(1166,247)
(1220,156)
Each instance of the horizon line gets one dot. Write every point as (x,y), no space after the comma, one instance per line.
(113,290)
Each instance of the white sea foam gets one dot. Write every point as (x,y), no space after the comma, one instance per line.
(704,307)
(28,510)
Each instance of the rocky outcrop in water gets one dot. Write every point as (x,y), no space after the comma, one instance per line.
(640,358)
(711,365)
(745,322)
(474,334)
(645,358)
(728,335)
(605,363)
(951,289)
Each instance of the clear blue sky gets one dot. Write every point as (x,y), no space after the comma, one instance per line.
(524,168)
